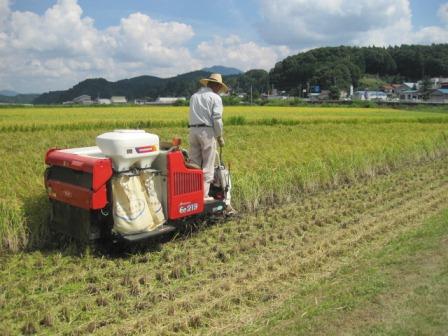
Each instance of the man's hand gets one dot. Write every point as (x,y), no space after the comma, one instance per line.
(221,141)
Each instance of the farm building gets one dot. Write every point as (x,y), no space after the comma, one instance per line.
(140,101)
(272,97)
(168,100)
(407,86)
(369,95)
(410,86)
(83,99)
(411,95)
(103,101)
(118,100)
(439,96)
(391,89)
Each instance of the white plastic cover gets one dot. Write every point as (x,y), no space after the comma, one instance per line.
(128,148)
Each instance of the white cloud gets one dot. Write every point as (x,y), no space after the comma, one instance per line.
(394,34)
(431,34)
(231,51)
(61,28)
(303,23)
(61,47)
(443,13)
(57,49)
(4,15)
(142,39)
(300,23)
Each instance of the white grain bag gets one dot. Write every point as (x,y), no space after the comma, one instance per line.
(130,208)
(155,207)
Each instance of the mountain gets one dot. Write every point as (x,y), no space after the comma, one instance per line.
(138,87)
(18,99)
(183,85)
(327,67)
(225,71)
(8,93)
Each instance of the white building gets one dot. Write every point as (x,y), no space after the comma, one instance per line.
(118,100)
(168,100)
(103,101)
(369,95)
(83,99)
(436,83)
(274,97)
(140,101)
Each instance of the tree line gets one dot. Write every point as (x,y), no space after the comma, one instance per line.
(344,66)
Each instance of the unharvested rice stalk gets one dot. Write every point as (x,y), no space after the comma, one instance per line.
(275,154)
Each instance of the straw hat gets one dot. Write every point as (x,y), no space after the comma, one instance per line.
(215,78)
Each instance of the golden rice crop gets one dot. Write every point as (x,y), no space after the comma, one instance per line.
(82,118)
(274,153)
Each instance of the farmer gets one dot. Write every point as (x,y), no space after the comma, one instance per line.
(205,123)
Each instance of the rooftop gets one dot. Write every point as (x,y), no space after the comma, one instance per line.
(444,91)
(411,92)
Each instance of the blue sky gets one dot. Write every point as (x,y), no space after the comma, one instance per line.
(208,17)
(53,44)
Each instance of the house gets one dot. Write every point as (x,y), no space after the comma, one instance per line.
(118,100)
(83,99)
(324,95)
(411,96)
(168,100)
(313,96)
(392,90)
(140,101)
(439,96)
(273,97)
(369,95)
(437,82)
(407,86)
(103,101)
(411,85)
(343,94)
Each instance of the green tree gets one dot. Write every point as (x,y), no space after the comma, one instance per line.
(426,88)
(335,93)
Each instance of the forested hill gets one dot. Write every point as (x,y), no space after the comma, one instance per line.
(327,67)
(344,66)
(183,85)
(138,87)
(18,98)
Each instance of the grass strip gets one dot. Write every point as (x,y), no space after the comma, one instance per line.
(399,290)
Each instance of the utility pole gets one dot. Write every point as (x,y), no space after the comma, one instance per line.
(251,100)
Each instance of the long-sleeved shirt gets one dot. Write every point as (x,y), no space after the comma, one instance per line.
(206,108)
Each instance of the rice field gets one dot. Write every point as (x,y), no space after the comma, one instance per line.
(270,161)
(314,185)
(82,118)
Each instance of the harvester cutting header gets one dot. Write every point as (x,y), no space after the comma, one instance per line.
(129,187)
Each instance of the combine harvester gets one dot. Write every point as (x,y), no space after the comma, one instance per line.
(129,188)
